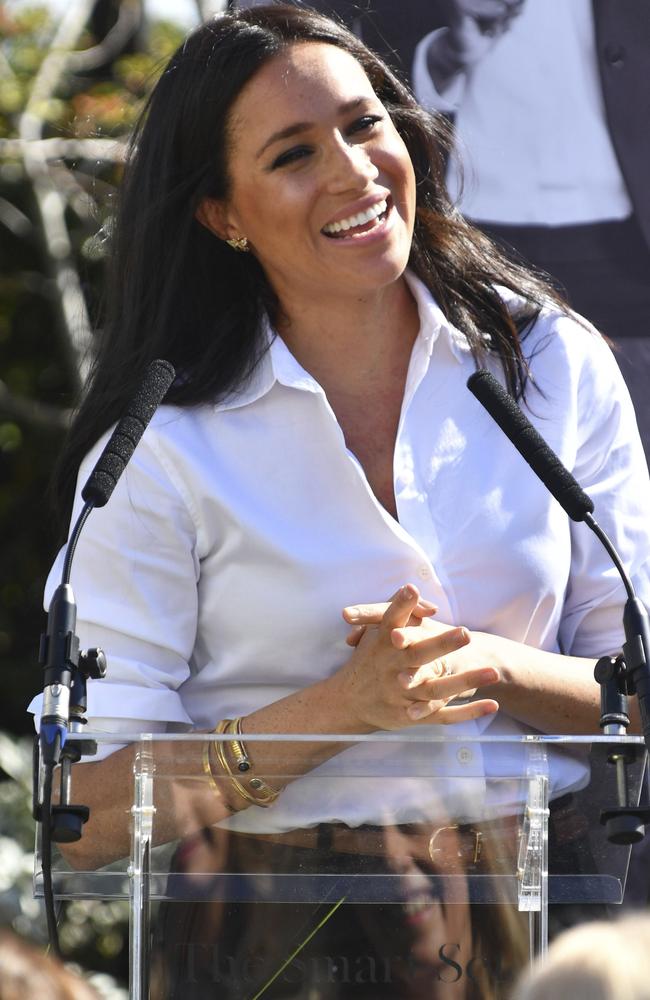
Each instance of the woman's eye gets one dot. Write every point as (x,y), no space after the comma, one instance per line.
(365,123)
(290,156)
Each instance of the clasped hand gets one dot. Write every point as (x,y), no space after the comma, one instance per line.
(476,25)
(407,669)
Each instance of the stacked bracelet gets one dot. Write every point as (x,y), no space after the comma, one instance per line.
(207,770)
(256,791)
(239,751)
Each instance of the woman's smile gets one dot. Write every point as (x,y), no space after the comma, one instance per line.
(321,183)
(362,228)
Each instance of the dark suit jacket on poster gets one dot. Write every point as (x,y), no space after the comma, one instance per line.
(623,44)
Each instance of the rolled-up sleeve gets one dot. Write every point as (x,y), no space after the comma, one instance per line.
(423,86)
(610,466)
(135,575)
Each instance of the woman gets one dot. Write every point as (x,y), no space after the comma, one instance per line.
(285,240)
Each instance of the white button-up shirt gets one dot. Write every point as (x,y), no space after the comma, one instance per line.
(215,577)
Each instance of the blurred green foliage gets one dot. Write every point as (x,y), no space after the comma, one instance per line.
(93,932)
(38,368)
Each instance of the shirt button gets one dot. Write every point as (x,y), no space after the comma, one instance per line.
(465,755)
(424,573)
(615,55)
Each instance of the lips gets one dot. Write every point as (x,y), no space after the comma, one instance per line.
(359,223)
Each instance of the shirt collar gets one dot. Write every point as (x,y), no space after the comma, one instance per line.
(278,364)
(434,323)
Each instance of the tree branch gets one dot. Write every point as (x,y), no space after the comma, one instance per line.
(107,150)
(129,19)
(30,412)
(50,204)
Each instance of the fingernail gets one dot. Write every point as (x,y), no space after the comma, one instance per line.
(418,710)
(408,592)
(352,612)
(405,679)
(490,675)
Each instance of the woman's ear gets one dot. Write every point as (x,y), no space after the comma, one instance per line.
(212,214)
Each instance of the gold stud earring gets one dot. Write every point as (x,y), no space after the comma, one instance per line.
(239,243)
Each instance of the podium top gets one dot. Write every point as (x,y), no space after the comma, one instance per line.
(438,792)
(403,736)
(387,777)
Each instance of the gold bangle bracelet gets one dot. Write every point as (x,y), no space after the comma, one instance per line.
(236,784)
(239,751)
(207,770)
(207,766)
(268,795)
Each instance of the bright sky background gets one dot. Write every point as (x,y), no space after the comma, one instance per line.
(182,11)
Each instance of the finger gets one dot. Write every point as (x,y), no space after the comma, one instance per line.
(449,714)
(398,612)
(451,685)
(424,609)
(416,619)
(357,632)
(411,680)
(354,637)
(403,637)
(417,652)
(458,699)
(372,614)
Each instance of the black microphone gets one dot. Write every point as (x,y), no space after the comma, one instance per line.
(122,442)
(59,653)
(570,495)
(530,444)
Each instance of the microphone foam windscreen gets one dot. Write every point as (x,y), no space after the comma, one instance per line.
(122,442)
(530,444)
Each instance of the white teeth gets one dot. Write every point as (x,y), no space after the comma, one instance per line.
(356,220)
(418,904)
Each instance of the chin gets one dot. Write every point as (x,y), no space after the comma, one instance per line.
(374,277)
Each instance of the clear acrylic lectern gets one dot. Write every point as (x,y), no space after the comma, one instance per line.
(388,867)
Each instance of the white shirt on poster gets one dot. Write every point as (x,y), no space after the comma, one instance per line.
(530,123)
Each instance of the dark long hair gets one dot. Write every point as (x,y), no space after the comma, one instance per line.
(177,292)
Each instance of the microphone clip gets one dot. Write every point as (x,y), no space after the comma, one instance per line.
(625,822)
(66,818)
(67,669)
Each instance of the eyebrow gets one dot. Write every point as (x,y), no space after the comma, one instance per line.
(298,127)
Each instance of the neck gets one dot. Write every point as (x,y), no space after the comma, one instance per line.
(353,342)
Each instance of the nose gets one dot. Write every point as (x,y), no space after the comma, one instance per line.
(399,851)
(350,166)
